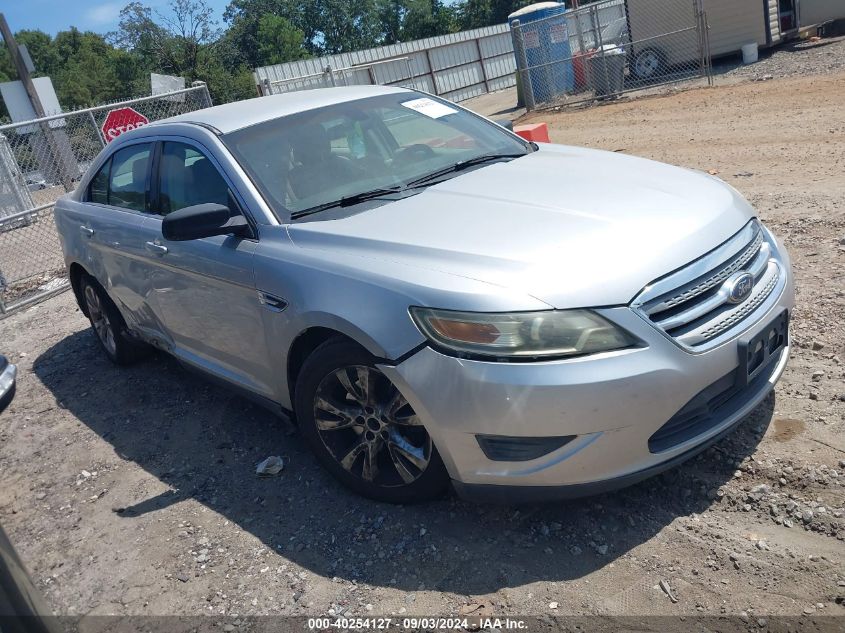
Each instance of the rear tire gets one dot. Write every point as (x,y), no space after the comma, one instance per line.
(362,430)
(108,325)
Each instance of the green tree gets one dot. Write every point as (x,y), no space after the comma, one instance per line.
(137,31)
(501,9)
(428,18)
(279,40)
(328,26)
(87,77)
(192,34)
(343,26)
(179,43)
(244,17)
(225,83)
(392,15)
(474,14)
(45,56)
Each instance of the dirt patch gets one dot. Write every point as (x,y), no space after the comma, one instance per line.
(133,491)
(786,429)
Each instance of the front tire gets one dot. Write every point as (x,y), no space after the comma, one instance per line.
(361,428)
(109,326)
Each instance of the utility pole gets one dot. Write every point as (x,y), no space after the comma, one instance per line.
(37,106)
(20,66)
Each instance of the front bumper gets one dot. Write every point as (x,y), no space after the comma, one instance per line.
(612,403)
(7,385)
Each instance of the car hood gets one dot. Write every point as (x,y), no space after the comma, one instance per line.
(572,227)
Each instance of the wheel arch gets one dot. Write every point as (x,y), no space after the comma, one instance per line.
(304,345)
(75,273)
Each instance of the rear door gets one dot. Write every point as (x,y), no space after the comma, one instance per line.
(204,290)
(115,224)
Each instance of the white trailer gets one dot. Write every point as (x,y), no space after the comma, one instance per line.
(662,37)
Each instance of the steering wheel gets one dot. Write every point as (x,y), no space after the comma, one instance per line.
(417,151)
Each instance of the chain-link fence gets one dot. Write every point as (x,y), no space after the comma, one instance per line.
(43,159)
(607,48)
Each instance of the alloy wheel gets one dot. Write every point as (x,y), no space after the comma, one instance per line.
(369,428)
(647,64)
(100,319)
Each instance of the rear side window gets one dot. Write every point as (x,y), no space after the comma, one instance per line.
(99,189)
(122,181)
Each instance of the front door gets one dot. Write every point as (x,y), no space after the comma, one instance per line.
(204,290)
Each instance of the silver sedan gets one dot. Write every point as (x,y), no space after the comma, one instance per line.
(429,296)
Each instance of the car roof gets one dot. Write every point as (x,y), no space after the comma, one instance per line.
(240,114)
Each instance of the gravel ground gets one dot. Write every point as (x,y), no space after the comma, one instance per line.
(132,491)
(794,59)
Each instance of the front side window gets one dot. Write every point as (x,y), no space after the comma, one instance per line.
(304,161)
(188,177)
(127,180)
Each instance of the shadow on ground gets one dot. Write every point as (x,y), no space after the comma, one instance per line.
(204,442)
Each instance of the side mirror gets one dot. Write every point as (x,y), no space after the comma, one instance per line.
(505,123)
(202,220)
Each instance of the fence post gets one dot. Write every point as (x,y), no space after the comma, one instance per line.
(522,66)
(703,40)
(411,79)
(205,92)
(595,22)
(431,72)
(96,129)
(481,61)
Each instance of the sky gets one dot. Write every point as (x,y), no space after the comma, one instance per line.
(99,16)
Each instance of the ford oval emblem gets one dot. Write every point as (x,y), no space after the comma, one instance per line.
(739,287)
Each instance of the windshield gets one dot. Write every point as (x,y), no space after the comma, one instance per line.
(303,161)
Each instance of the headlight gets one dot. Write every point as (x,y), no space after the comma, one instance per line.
(521,334)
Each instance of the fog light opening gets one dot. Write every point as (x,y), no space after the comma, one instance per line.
(500,448)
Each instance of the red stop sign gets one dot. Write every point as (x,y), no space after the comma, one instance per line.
(121,120)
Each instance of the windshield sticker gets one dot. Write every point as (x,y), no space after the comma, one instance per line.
(429,107)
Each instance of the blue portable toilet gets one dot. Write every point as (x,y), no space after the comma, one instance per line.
(545,36)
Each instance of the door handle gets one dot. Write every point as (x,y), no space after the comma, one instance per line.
(158,249)
(86,231)
(274,304)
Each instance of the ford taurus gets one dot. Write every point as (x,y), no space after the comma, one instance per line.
(431,297)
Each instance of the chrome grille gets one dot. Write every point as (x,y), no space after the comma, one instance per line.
(719,277)
(694,306)
(744,310)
